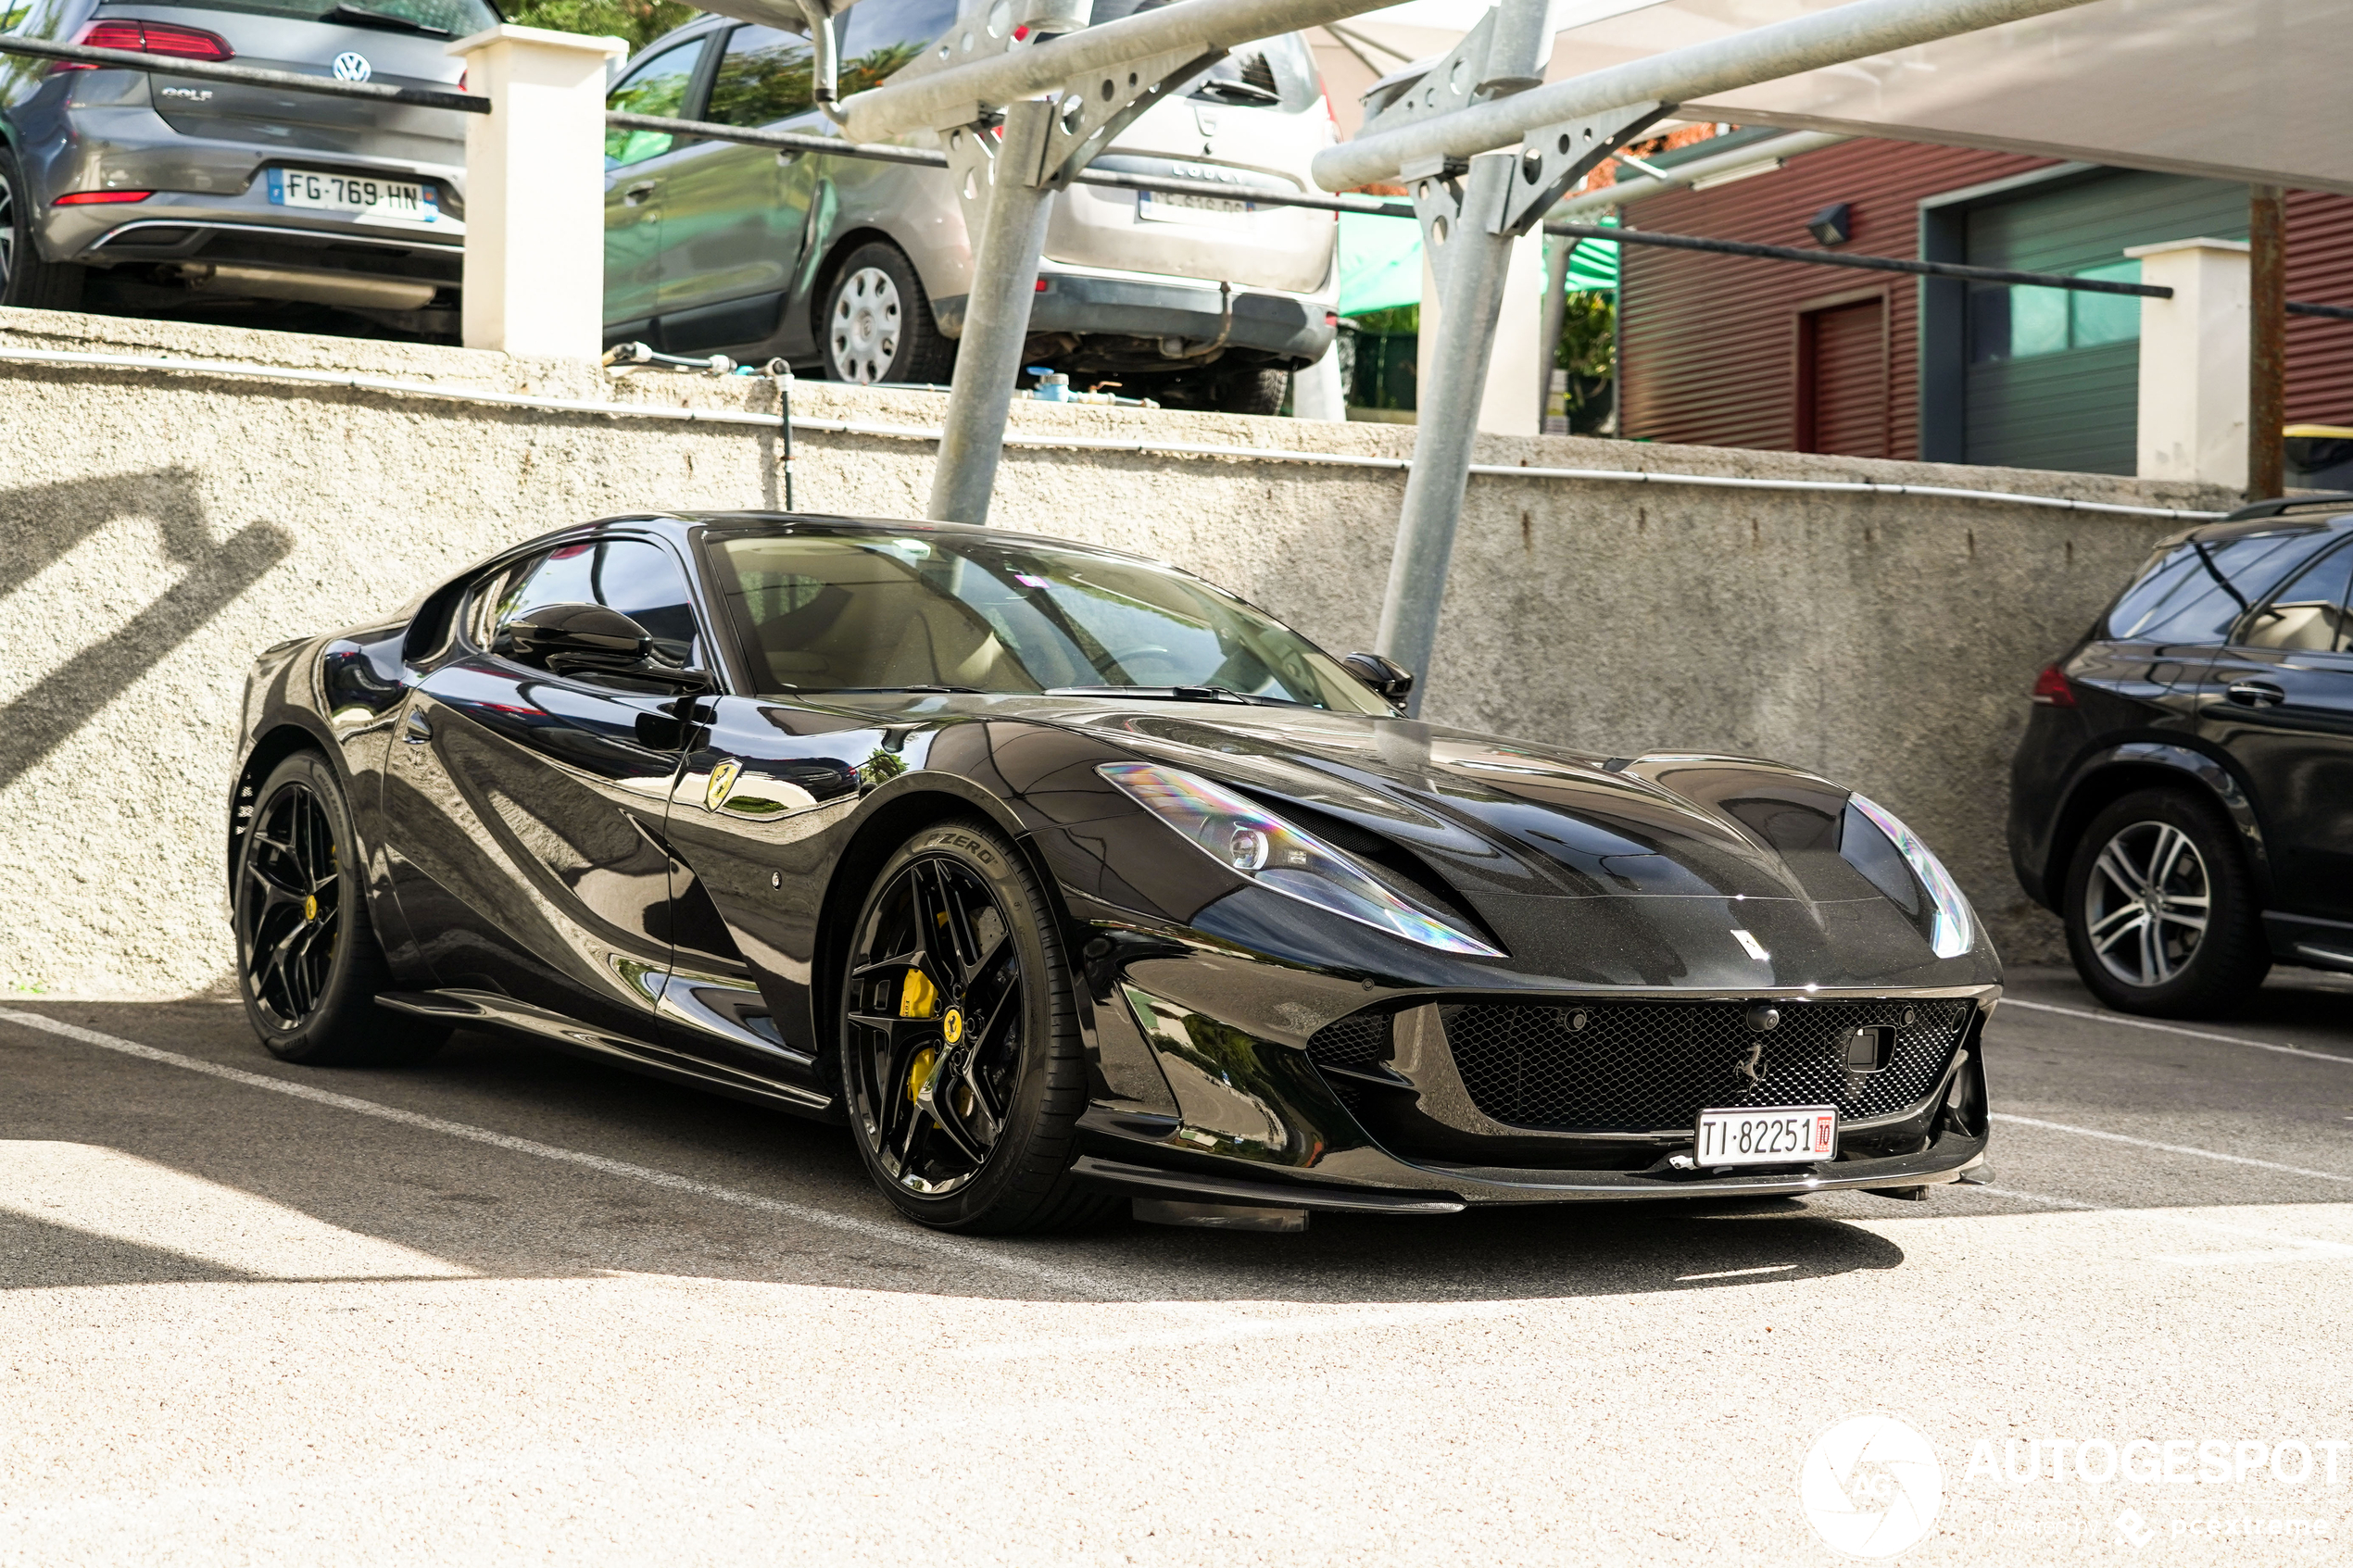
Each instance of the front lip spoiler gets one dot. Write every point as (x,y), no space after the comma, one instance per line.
(1945,1162)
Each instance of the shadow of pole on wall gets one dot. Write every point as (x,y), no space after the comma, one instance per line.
(44,522)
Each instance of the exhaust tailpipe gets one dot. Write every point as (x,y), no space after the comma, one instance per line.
(308,286)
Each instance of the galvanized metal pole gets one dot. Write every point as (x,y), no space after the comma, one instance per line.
(2267,341)
(1470,297)
(996,320)
(1817,39)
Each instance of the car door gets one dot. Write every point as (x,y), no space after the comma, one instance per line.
(636,164)
(524,809)
(2279,699)
(734,218)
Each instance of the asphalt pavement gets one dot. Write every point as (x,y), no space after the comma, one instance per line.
(516,1306)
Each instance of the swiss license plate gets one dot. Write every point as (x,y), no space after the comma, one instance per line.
(1774,1135)
(362,195)
(1162,207)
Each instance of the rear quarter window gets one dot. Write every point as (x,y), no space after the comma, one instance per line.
(2191,593)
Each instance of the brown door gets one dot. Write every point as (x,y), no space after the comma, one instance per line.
(1843,389)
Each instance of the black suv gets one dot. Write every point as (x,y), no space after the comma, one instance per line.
(2183,797)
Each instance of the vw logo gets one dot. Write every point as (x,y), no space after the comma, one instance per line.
(352,66)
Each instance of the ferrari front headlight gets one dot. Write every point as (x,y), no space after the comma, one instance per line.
(1954,930)
(1246,838)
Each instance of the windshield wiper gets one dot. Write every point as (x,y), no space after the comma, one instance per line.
(359,15)
(1180,694)
(843,691)
(1231,90)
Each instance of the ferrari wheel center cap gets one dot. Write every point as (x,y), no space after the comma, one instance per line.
(952,1026)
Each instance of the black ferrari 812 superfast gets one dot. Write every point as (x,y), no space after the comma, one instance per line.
(1067,880)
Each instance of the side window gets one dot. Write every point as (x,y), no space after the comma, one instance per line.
(879,37)
(2194,592)
(639,579)
(764,76)
(658,87)
(2308,614)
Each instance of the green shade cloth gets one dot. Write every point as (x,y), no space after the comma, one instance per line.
(1381,262)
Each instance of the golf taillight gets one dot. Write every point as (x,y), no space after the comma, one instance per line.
(149,38)
(2052,690)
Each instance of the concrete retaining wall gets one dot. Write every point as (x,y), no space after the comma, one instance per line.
(158,529)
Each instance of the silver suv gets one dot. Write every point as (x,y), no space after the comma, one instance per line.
(861,268)
(155,193)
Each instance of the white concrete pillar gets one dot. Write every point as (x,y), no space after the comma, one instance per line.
(1511,404)
(535,277)
(2193,349)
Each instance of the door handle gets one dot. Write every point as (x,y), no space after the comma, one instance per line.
(636,194)
(2257,693)
(419,730)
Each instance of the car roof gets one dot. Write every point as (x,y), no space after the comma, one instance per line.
(2331,513)
(679,524)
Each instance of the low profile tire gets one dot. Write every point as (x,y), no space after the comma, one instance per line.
(309,966)
(877,325)
(961,1057)
(26,280)
(2162,917)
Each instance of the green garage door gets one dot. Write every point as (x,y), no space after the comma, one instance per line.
(2053,376)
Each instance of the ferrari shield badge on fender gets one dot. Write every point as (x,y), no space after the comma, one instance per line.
(723,779)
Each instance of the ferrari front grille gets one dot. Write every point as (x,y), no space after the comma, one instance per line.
(1649,1066)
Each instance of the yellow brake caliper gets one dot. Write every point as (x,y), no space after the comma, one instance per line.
(917,998)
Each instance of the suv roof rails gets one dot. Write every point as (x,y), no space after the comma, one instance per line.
(2280,503)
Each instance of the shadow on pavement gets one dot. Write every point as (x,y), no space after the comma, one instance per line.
(334,1180)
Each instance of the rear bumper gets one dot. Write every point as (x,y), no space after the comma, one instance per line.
(1281,326)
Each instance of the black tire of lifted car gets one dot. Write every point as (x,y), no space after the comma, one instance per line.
(1251,392)
(30,282)
(329,1018)
(924,356)
(2232,955)
(1024,1186)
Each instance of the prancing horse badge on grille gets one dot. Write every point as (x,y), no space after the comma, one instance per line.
(1752,1066)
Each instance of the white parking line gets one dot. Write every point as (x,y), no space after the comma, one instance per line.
(2285,1248)
(2171,1148)
(2132,1022)
(906,1236)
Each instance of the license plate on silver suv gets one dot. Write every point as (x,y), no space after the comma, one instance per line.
(362,195)
(1774,1135)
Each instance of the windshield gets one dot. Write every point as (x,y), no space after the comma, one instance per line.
(1278,72)
(454,19)
(817,613)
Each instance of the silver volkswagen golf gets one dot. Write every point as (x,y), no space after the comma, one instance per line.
(151,193)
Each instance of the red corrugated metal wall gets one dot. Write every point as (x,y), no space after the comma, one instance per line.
(2320,270)
(1710,348)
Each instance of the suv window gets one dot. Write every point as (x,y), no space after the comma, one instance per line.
(657,87)
(2308,614)
(1272,73)
(880,36)
(764,76)
(2194,592)
(634,576)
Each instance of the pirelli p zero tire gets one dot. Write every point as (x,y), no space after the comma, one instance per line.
(25,278)
(309,966)
(2161,911)
(961,1063)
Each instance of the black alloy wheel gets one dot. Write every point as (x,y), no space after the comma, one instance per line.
(2161,914)
(961,1058)
(309,966)
(25,278)
(876,324)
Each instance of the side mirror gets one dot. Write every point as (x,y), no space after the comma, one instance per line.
(1387,677)
(564,638)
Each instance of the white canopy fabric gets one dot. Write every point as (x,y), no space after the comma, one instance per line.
(2254,90)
